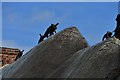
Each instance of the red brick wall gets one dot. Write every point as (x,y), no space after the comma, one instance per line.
(8,55)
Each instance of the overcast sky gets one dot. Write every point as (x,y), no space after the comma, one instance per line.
(22,22)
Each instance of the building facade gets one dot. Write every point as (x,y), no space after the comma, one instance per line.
(8,55)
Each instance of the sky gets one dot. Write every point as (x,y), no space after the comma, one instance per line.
(60,0)
(119,7)
(22,22)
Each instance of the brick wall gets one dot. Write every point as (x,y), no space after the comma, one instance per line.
(7,55)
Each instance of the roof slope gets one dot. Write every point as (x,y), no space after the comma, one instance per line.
(45,58)
(67,55)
